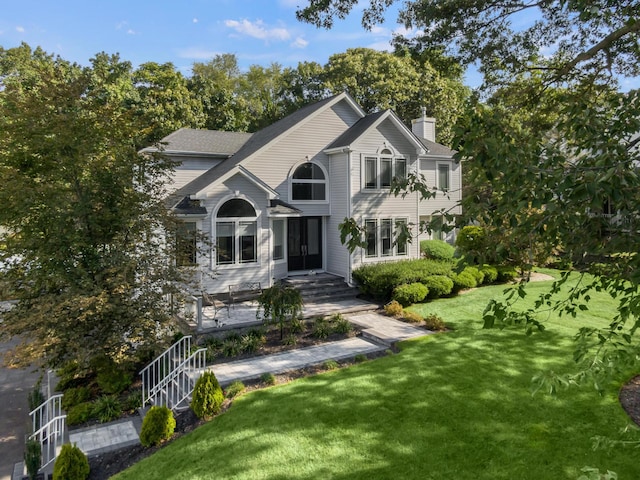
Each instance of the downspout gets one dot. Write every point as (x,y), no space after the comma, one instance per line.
(417,250)
(349,194)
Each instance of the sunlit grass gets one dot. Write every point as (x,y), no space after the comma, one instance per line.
(455,405)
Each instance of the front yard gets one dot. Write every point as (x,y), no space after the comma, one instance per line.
(453,405)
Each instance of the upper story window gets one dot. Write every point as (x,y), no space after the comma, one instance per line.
(308,182)
(379,170)
(236,233)
(444,177)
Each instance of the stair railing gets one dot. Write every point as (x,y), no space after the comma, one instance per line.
(48,424)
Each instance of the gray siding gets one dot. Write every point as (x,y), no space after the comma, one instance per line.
(428,167)
(187,169)
(337,258)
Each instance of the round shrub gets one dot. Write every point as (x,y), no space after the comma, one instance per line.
(471,240)
(71,464)
(438,285)
(107,408)
(393,309)
(235,389)
(158,425)
(463,281)
(506,273)
(75,396)
(81,413)
(477,274)
(490,274)
(437,249)
(411,293)
(207,396)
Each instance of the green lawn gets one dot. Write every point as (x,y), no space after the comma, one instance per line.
(455,405)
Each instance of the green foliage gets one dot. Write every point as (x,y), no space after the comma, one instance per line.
(279,304)
(296,325)
(106,408)
(476,273)
(32,457)
(35,397)
(113,379)
(330,364)
(490,274)
(207,396)
(133,401)
(463,281)
(434,322)
(359,358)
(236,388)
(393,309)
(80,413)
(506,273)
(321,328)
(410,293)
(75,396)
(340,324)
(437,249)
(232,346)
(473,243)
(268,378)
(252,342)
(438,285)
(378,280)
(157,426)
(71,464)
(411,317)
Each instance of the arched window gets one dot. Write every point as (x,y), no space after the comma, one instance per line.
(308,182)
(236,233)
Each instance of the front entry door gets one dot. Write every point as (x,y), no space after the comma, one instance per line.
(304,243)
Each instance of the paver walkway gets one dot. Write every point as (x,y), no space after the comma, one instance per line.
(378,332)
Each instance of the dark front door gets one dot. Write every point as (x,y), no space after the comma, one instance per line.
(304,243)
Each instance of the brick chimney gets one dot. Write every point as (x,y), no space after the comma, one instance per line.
(424,127)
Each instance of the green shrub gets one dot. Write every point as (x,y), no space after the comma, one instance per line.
(251,343)
(434,322)
(463,281)
(32,456)
(341,325)
(207,396)
(476,273)
(290,339)
(235,389)
(268,378)
(490,274)
(412,317)
(321,328)
(330,364)
(69,376)
(437,249)
(438,285)
(133,401)
(378,280)
(409,294)
(107,408)
(114,379)
(79,414)
(71,464)
(359,358)
(472,241)
(232,346)
(393,309)
(506,273)
(296,325)
(75,396)
(158,425)
(35,397)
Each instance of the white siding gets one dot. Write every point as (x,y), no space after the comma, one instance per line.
(428,167)
(187,169)
(337,257)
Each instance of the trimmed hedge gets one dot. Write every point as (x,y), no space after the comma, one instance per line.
(158,425)
(438,285)
(475,273)
(380,279)
(437,249)
(490,274)
(506,273)
(410,293)
(463,281)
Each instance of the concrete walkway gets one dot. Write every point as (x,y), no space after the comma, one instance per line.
(379,332)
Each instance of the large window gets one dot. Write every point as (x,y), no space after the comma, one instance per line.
(380,235)
(380,170)
(236,233)
(444,176)
(308,183)
(186,248)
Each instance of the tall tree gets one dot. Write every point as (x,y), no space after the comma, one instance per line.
(571,160)
(81,211)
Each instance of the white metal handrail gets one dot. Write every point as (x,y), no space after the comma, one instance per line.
(48,423)
(176,389)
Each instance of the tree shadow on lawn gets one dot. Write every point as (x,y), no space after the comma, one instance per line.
(449,406)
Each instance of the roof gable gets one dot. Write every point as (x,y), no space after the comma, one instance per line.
(190,141)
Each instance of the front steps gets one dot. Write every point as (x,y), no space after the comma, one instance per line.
(322,287)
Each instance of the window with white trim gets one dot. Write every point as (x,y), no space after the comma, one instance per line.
(236,233)
(278,238)
(379,170)
(308,182)
(380,235)
(444,177)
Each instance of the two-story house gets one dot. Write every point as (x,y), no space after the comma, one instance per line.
(271,201)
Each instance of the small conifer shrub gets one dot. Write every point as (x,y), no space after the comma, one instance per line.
(71,464)
(158,425)
(207,396)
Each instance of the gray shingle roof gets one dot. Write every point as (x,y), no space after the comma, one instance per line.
(434,148)
(252,145)
(357,129)
(209,142)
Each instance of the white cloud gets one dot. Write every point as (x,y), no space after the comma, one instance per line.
(131,32)
(378,30)
(299,42)
(258,30)
(197,53)
(20,29)
(195,20)
(382,46)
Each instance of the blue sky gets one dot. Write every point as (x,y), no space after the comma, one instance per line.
(185,31)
